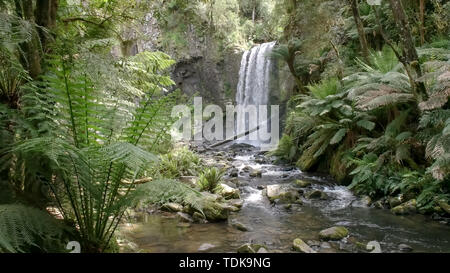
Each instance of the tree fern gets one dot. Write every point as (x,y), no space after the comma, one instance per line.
(23,229)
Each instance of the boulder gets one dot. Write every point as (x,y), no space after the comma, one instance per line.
(282,192)
(405,208)
(301,246)
(316,194)
(172,207)
(234,172)
(215,211)
(228,192)
(302,183)
(333,233)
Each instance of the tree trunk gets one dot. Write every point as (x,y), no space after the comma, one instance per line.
(360,27)
(409,50)
(422,21)
(45,14)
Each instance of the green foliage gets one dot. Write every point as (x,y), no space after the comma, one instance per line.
(286,149)
(179,162)
(26,229)
(210,179)
(330,86)
(168,190)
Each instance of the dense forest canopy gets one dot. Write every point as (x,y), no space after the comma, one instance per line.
(86,95)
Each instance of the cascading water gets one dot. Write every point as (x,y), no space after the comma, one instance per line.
(254,89)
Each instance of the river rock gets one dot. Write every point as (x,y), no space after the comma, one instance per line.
(184,217)
(239,226)
(444,205)
(228,192)
(205,247)
(316,194)
(301,246)
(378,204)
(234,172)
(216,212)
(395,201)
(247,169)
(250,248)
(256,173)
(238,203)
(183,225)
(172,207)
(302,183)
(333,233)
(405,208)
(282,192)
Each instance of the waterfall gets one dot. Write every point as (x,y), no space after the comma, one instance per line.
(253,88)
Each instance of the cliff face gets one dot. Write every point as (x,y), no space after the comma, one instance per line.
(215,81)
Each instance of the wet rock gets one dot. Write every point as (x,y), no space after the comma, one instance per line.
(316,194)
(238,203)
(216,212)
(395,201)
(302,183)
(282,192)
(333,233)
(228,192)
(301,246)
(405,208)
(287,206)
(256,173)
(262,250)
(325,245)
(378,204)
(172,207)
(366,200)
(247,169)
(313,243)
(405,248)
(205,247)
(184,217)
(239,226)
(234,172)
(260,187)
(250,248)
(444,205)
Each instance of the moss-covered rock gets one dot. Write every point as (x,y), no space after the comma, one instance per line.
(228,192)
(405,208)
(283,193)
(301,246)
(316,194)
(302,183)
(333,233)
(172,207)
(444,205)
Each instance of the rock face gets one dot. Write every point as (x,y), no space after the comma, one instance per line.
(333,233)
(405,208)
(301,246)
(172,207)
(284,193)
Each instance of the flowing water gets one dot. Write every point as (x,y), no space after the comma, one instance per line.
(275,226)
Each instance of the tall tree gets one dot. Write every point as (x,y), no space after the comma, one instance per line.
(360,28)
(410,55)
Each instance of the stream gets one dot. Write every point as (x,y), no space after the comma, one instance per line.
(276,227)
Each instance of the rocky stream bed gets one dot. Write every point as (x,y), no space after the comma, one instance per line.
(275,208)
